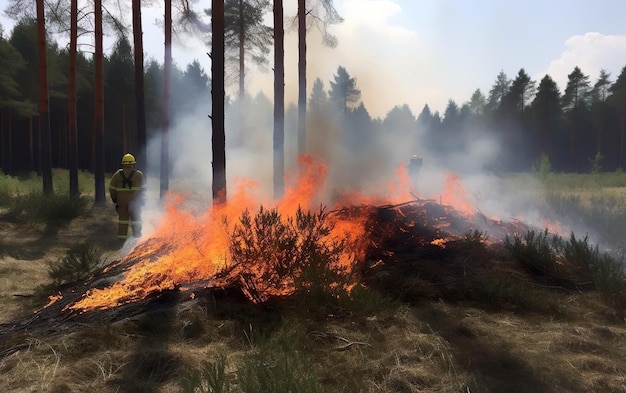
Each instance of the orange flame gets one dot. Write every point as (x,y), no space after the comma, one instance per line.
(193,246)
(188,247)
(456,196)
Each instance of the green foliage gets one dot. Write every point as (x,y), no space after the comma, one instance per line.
(596,163)
(534,250)
(274,364)
(363,300)
(543,166)
(9,186)
(210,377)
(574,260)
(77,263)
(275,254)
(39,208)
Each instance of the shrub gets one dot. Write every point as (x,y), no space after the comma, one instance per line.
(210,377)
(36,207)
(78,263)
(535,251)
(274,255)
(574,261)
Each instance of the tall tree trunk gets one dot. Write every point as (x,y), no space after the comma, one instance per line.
(167,69)
(44,102)
(140,102)
(99,107)
(10,163)
(301,76)
(279,101)
(242,62)
(30,144)
(218,139)
(242,71)
(3,165)
(71,102)
(124,130)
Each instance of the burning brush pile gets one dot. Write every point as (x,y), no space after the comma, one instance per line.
(263,253)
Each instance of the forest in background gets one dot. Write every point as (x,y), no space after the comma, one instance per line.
(580,129)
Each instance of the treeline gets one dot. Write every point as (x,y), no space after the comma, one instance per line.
(19,119)
(579,129)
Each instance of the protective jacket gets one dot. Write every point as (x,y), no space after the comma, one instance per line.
(127,190)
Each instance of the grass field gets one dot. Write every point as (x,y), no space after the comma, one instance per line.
(480,321)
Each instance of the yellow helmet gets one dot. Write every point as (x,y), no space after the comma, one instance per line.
(128,159)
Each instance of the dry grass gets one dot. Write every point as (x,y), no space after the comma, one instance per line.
(419,344)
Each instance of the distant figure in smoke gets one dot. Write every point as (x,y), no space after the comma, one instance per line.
(414,166)
(127,190)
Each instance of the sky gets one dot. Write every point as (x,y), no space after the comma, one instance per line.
(432,51)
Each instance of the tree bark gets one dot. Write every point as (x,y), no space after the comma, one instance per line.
(71,102)
(140,102)
(301,76)
(99,107)
(44,102)
(279,101)
(167,69)
(218,139)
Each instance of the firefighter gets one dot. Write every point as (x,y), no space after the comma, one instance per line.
(127,190)
(415,164)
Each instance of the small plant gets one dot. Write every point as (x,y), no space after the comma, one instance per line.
(277,364)
(78,263)
(274,255)
(596,163)
(543,166)
(535,251)
(36,207)
(210,377)
(574,261)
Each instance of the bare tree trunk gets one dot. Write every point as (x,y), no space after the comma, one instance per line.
(140,102)
(242,71)
(124,130)
(3,165)
(44,102)
(99,107)
(301,76)
(218,139)
(30,143)
(242,63)
(279,101)
(71,102)
(10,163)
(167,69)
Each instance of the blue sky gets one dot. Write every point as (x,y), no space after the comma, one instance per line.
(419,52)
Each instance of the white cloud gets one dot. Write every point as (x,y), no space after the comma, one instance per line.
(591,52)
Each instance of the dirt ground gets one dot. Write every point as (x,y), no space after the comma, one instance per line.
(27,249)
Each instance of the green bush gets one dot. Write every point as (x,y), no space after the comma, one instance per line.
(39,208)
(78,263)
(574,260)
(535,251)
(277,255)
(274,364)
(210,377)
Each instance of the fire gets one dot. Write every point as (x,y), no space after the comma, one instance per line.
(439,242)
(455,195)
(191,246)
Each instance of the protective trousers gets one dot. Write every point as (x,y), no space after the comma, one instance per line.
(128,215)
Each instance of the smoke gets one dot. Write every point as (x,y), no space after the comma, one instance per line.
(358,161)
